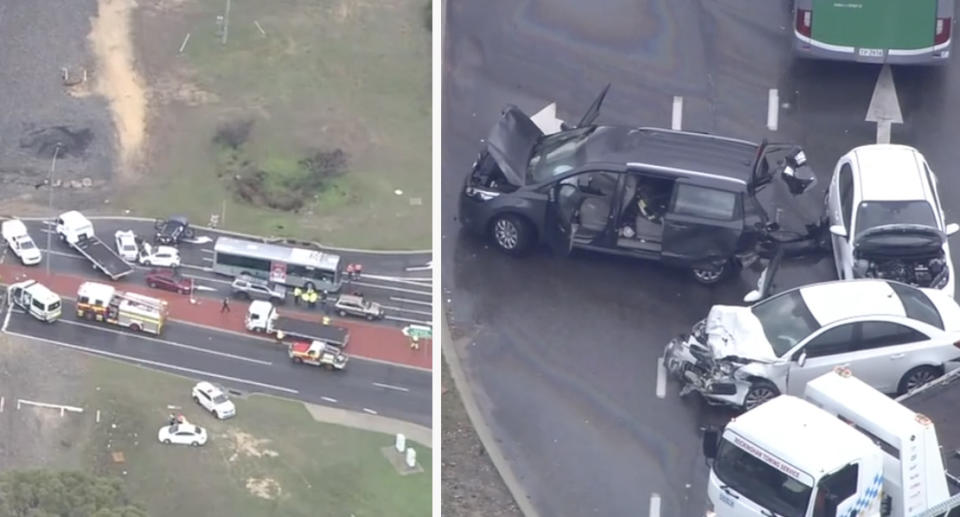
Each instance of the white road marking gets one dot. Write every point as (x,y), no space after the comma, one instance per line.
(206,250)
(399,289)
(163,341)
(2,401)
(155,363)
(419,282)
(654,505)
(428,267)
(390,387)
(98,416)
(407,320)
(773,109)
(328,399)
(407,300)
(661,379)
(207,259)
(677,121)
(884,106)
(372,412)
(426,313)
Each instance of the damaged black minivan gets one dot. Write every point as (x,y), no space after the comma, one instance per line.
(683,198)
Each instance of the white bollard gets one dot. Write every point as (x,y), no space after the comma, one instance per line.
(411,457)
(401,444)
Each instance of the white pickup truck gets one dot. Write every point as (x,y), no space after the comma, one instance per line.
(18,240)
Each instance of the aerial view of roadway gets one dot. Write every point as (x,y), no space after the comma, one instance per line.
(660,215)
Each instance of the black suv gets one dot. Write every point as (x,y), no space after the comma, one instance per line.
(683,198)
(171,231)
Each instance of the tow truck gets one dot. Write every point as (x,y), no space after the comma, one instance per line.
(844,449)
(105,303)
(36,299)
(317,353)
(262,316)
(76,230)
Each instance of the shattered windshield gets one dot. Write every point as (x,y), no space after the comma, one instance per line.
(786,320)
(556,154)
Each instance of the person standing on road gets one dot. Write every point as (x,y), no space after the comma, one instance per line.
(305,295)
(357,269)
(225,307)
(313,299)
(297,291)
(349,271)
(414,343)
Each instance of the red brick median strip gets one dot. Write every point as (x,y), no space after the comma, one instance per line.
(366,340)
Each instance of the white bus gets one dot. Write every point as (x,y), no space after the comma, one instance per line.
(294,267)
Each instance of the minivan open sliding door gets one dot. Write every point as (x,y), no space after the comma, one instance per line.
(702,225)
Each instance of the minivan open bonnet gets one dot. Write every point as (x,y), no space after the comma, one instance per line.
(511,143)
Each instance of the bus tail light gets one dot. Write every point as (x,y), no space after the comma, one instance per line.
(942,34)
(805,22)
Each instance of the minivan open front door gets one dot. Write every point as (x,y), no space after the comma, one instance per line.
(563,201)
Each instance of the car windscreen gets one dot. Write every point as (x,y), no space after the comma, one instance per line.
(786,320)
(871,214)
(917,305)
(556,154)
(760,482)
(220,399)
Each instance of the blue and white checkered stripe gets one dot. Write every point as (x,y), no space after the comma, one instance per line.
(872,494)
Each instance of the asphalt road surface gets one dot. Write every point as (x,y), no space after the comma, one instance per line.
(562,353)
(244,363)
(401,283)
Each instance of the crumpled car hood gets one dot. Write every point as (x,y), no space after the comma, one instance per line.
(735,331)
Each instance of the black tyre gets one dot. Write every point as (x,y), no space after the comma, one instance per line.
(712,276)
(195,444)
(310,286)
(370,317)
(760,391)
(511,234)
(297,360)
(167,441)
(343,314)
(152,285)
(917,377)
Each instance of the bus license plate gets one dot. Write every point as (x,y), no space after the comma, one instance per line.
(871,52)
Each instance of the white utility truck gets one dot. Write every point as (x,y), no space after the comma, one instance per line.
(36,299)
(20,243)
(137,312)
(76,230)
(262,316)
(845,449)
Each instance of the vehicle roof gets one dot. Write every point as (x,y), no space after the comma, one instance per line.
(720,157)
(14,227)
(260,306)
(125,234)
(42,293)
(783,423)
(169,249)
(351,298)
(208,388)
(306,257)
(74,218)
(842,299)
(96,291)
(890,172)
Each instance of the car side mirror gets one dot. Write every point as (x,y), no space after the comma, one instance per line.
(838,230)
(711,441)
(752,297)
(953,228)
(802,359)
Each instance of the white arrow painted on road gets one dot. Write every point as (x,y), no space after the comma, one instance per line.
(546,119)
(429,265)
(884,107)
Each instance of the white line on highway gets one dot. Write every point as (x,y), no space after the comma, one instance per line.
(773,109)
(328,399)
(6,319)
(372,412)
(419,282)
(206,250)
(661,379)
(407,320)
(207,259)
(390,307)
(677,122)
(400,289)
(407,300)
(654,505)
(155,363)
(164,341)
(390,387)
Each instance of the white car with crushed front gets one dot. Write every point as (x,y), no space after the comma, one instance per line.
(214,400)
(893,336)
(19,241)
(182,434)
(886,219)
(126,245)
(162,256)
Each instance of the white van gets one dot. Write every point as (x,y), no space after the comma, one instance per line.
(36,299)
(73,226)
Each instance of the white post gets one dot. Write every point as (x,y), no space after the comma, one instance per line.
(401,443)
(411,458)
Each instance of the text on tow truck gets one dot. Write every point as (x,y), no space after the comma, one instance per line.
(137,312)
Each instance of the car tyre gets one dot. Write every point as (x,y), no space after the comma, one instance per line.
(342,313)
(298,360)
(511,234)
(370,317)
(152,285)
(310,286)
(195,444)
(712,276)
(917,377)
(166,441)
(135,327)
(760,391)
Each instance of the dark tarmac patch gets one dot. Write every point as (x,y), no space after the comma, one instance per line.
(44,142)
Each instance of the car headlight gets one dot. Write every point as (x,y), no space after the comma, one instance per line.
(726,368)
(482,195)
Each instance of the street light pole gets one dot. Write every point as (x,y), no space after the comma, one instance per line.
(53,167)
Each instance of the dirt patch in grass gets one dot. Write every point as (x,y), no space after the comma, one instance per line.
(264,488)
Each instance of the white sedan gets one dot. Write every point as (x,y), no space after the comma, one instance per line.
(183,434)
(886,219)
(20,243)
(162,256)
(214,400)
(126,245)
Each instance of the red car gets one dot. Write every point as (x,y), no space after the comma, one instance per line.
(169,281)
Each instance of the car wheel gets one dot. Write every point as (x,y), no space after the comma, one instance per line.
(711,276)
(195,444)
(167,441)
(310,286)
(917,377)
(216,414)
(511,234)
(135,327)
(370,317)
(342,314)
(297,360)
(152,285)
(759,392)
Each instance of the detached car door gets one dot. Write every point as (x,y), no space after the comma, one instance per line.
(702,224)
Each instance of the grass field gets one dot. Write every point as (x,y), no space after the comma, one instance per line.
(333,74)
(273,447)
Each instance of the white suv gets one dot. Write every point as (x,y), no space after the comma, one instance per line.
(162,256)
(214,400)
